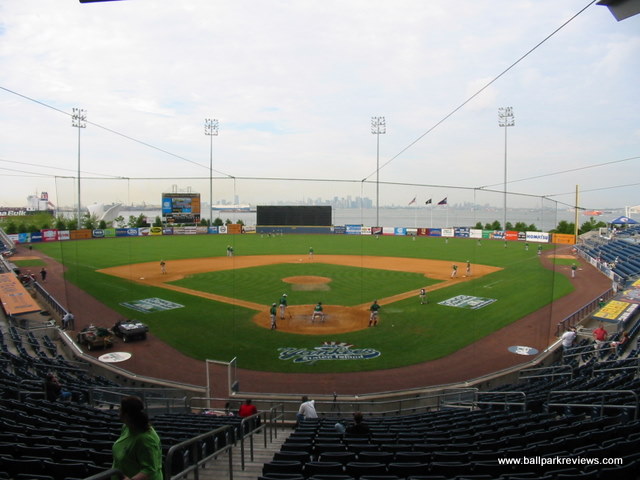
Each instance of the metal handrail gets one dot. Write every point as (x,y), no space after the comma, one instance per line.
(602,404)
(553,372)
(196,453)
(247,430)
(522,404)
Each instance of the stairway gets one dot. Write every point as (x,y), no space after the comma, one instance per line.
(218,469)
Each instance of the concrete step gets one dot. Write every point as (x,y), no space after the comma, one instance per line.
(218,469)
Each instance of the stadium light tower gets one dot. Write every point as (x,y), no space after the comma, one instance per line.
(505,119)
(79,121)
(378,127)
(211,129)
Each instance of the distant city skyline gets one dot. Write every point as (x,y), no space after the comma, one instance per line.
(293,92)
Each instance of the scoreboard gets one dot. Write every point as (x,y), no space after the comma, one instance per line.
(277,215)
(181,207)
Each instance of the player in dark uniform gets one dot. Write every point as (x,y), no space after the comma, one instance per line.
(373,316)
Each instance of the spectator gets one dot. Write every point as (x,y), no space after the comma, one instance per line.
(600,336)
(624,338)
(68,321)
(137,453)
(53,389)
(247,409)
(307,409)
(358,427)
(568,338)
(43,274)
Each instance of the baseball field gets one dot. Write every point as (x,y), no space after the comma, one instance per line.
(211,306)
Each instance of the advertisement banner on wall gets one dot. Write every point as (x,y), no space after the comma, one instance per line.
(97,233)
(222,229)
(388,231)
(498,235)
(143,231)
(435,232)
(475,233)
(376,230)
(82,234)
(423,232)
(399,231)
(109,232)
(563,238)
(461,232)
(539,237)
(49,235)
(168,230)
(126,232)
(202,230)
(511,236)
(447,232)
(353,229)
(213,230)
(365,231)
(155,231)
(64,235)
(339,230)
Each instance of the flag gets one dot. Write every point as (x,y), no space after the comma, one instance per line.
(443,201)
(428,202)
(412,201)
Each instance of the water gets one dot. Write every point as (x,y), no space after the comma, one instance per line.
(426,217)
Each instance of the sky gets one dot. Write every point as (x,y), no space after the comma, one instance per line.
(294,85)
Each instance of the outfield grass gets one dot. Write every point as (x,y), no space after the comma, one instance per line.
(408,332)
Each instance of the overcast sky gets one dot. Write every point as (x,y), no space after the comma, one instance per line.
(294,85)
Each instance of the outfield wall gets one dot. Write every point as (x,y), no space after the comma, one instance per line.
(52,235)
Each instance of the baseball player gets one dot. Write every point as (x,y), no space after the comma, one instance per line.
(310,253)
(283,305)
(423,296)
(272,313)
(317,312)
(373,316)
(454,271)
(468,273)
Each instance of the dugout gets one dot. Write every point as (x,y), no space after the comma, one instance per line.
(275,219)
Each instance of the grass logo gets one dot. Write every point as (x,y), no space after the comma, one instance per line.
(327,351)
(467,301)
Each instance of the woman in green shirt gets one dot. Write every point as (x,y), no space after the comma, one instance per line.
(137,452)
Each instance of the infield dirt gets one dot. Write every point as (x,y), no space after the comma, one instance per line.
(338,319)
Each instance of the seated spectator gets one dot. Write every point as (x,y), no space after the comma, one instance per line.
(624,338)
(53,389)
(247,409)
(358,427)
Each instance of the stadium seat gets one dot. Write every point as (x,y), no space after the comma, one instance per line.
(358,469)
(375,457)
(406,469)
(322,468)
(342,457)
(282,466)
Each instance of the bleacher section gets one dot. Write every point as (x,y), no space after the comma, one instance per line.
(621,256)
(46,440)
(460,444)
(584,406)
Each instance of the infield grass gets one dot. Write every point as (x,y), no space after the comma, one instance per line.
(408,333)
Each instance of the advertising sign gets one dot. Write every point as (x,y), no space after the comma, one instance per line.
(447,232)
(539,237)
(353,229)
(399,231)
(49,235)
(461,232)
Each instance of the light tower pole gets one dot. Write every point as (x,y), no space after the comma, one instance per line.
(79,120)
(211,129)
(378,127)
(505,119)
